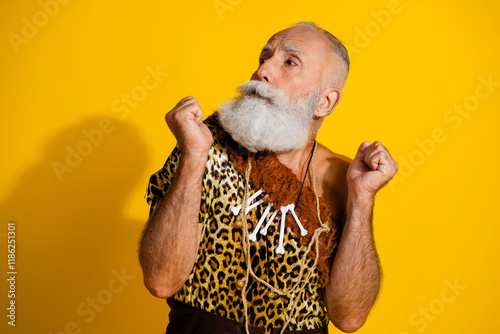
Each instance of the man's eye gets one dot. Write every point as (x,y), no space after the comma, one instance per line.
(262,60)
(291,62)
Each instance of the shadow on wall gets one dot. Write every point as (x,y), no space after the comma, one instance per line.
(76,252)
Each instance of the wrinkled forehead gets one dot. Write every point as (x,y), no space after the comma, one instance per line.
(301,39)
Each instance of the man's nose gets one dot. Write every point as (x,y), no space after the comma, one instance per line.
(265,72)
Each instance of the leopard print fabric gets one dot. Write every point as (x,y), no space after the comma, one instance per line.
(216,280)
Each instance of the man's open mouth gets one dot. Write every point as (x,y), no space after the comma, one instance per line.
(256,94)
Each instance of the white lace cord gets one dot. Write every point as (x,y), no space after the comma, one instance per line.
(246,242)
(253,236)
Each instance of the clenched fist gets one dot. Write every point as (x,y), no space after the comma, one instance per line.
(185,122)
(370,170)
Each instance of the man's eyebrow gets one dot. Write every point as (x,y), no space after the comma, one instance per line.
(294,49)
(267,47)
(287,48)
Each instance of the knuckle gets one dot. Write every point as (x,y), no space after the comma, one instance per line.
(168,116)
(177,116)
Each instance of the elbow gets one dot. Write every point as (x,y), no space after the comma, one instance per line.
(349,324)
(157,284)
(349,327)
(159,289)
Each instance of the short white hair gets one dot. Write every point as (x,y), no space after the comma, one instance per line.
(338,47)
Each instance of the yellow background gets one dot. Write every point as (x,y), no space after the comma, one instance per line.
(437,225)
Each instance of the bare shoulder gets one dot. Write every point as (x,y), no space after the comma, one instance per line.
(331,170)
(332,166)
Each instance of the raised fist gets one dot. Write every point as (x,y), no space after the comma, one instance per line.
(185,122)
(370,170)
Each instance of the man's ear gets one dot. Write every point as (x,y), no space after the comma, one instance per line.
(329,99)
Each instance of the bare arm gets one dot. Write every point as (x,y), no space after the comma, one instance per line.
(355,274)
(170,240)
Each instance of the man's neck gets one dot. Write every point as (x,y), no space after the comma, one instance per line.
(297,159)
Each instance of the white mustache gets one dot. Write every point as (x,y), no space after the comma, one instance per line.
(262,89)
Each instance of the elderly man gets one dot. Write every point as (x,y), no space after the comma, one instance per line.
(254,227)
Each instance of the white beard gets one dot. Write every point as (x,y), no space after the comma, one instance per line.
(263,119)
